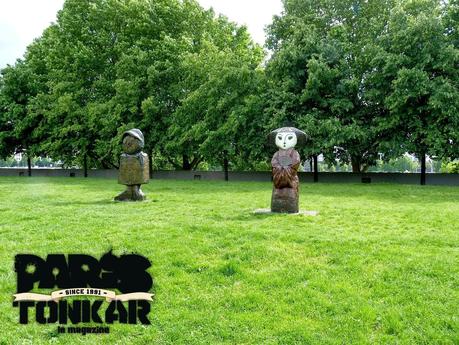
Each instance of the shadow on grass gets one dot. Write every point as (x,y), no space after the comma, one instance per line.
(101,202)
(81,202)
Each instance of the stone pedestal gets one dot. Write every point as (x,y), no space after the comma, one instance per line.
(285,200)
(285,196)
(132,193)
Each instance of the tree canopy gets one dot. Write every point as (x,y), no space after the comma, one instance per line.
(364,78)
(360,76)
(111,65)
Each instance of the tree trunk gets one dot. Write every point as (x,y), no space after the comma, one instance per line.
(316,169)
(29,166)
(225,164)
(355,162)
(423,169)
(186,163)
(85,165)
(195,162)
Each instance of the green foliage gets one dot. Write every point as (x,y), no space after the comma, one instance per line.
(451,167)
(421,63)
(320,65)
(360,77)
(18,133)
(368,77)
(218,115)
(401,164)
(110,65)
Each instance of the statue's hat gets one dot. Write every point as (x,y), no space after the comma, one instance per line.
(136,133)
(301,136)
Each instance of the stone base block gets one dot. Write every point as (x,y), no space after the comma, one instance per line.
(285,200)
(132,193)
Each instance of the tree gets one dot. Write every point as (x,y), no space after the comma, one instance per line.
(19,125)
(422,78)
(215,119)
(320,69)
(86,49)
(115,64)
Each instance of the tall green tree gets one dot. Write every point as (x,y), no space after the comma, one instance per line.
(116,64)
(19,124)
(221,104)
(421,78)
(85,49)
(319,69)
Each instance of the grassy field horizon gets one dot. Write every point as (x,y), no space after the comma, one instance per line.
(378,265)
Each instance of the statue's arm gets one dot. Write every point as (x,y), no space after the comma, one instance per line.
(295,160)
(277,171)
(275,161)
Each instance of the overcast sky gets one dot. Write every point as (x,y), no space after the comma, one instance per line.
(23,20)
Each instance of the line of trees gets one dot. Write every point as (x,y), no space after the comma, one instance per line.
(361,77)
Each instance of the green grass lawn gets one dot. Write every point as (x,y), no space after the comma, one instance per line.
(379,265)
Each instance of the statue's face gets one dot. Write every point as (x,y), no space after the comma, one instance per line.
(131,145)
(286,140)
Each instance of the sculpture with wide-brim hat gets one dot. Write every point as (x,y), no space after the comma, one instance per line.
(285,164)
(134,166)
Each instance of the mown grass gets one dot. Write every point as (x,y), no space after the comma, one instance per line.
(379,265)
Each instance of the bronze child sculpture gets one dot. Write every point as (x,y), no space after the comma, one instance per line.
(134,167)
(285,163)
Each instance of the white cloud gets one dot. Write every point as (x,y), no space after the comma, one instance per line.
(255,14)
(21,21)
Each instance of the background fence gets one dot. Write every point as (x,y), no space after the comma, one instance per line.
(324,177)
